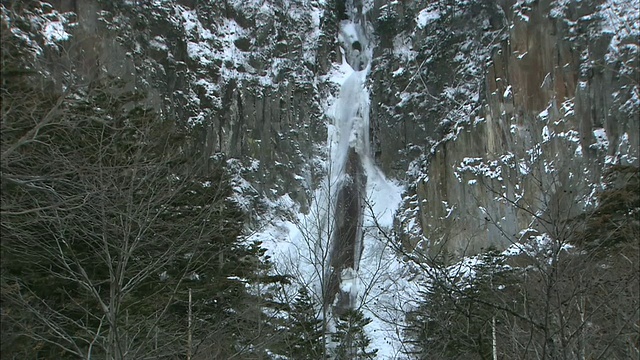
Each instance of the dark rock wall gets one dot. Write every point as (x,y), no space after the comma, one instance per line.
(550,88)
(347,234)
(262,106)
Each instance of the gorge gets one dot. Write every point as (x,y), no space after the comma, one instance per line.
(415,162)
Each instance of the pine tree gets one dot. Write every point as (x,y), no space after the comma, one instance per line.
(351,338)
(458,314)
(304,340)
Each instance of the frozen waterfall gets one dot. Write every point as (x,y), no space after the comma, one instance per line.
(350,150)
(335,248)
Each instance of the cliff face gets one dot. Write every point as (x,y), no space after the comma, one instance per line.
(555,103)
(244,79)
(494,113)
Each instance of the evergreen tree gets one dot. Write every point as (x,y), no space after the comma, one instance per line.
(457,316)
(616,220)
(351,338)
(304,338)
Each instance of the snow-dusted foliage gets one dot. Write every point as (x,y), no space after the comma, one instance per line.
(42,26)
(244,77)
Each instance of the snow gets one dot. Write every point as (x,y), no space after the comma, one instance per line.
(633,103)
(541,246)
(293,239)
(427,16)
(546,134)
(602,142)
(242,189)
(348,32)
(210,88)
(620,18)
(508,93)
(387,294)
(544,114)
(624,151)
(398,72)
(159,43)
(523,17)
(203,47)
(351,121)
(29,43)
(402,48)
(570,135)
(448,209)
(380,281)
(49,27)
(299,243)
(568,106)
(558,8)
(217,45)
(478,167)
(339,73)
(523,167)
(55,32)
(191,21)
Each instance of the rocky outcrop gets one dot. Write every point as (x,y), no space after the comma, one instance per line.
(427,76)
(347,233)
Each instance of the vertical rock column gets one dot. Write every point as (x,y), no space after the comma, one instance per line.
(352,121)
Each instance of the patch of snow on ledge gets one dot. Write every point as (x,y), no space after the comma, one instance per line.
(426,17)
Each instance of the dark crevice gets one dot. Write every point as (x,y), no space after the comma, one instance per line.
(348,231)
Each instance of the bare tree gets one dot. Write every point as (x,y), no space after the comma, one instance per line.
(104,222)
(568,287)
(308,264)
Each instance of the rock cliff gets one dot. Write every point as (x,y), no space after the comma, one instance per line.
(494,114)
(508,112)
